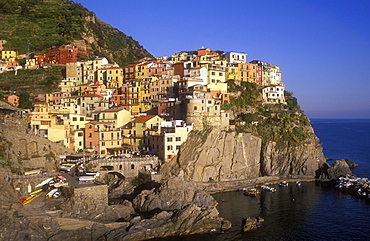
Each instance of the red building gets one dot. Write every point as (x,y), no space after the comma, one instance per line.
(40,60)
(121,99)
(179,69)
(64,54)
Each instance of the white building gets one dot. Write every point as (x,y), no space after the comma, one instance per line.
(172,135)
(234,57)
(273,94)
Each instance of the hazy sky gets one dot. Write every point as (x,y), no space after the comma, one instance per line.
(321,46)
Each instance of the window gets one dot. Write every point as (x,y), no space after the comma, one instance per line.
(132,166)
(178,138)
(81,119)
(169,139)
(177,147)
(195,108)
(169,148)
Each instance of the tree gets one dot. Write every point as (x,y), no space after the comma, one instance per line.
(24,100)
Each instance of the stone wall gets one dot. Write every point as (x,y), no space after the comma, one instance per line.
(129,167)
(27,149)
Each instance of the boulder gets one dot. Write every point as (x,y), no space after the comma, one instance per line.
(189,220)
(350,163)
(339,168)
(251,223)
(173,194)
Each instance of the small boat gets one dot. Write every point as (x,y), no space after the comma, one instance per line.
(298,183)
(44,182)
(36,192)
(267,188)
(283,184)
(29,199)
(250,192)
(51,193)
(57,194)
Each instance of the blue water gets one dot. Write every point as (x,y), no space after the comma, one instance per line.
(346,138)
(313,211)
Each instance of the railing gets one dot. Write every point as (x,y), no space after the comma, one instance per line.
(127,159)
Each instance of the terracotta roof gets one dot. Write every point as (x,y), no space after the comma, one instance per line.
(144,118)
(129,65)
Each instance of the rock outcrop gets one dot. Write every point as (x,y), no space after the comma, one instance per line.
(230,156)
(176,208)
(174,194)
(339,168)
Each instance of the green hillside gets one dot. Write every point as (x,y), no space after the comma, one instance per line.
(33,26)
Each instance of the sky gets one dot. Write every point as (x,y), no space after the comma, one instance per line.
(321,47)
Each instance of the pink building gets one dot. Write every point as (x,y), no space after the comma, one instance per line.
(157,69)
(13,100)
(58,96)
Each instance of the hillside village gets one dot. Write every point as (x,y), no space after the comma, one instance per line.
(147,107)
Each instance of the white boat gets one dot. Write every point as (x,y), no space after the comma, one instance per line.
(86,178)
(44,182)
(267,188)
(283,184)
(51,193)
(57,194)
(32,172)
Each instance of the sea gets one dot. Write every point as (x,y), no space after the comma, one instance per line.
(312,211)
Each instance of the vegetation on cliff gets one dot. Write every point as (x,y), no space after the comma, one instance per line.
(272,122)
(33,26)
(36,81)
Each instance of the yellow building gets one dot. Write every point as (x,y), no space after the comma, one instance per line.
(247,72)
(119,116)
(139,93)
(216,74)
(49,98)
(30,64)
(232,72)
(9,55)
(144,94)
(40,119)
(135,132)
(141,71)
(114,77)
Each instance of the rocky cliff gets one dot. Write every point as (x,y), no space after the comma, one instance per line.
(21,150)
(224,156)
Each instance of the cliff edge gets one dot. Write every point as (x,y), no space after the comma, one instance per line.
(216,156)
